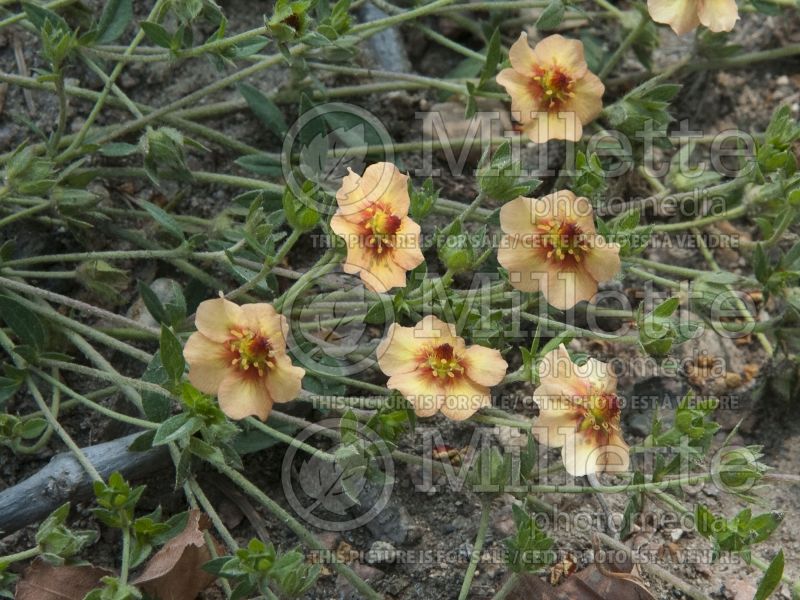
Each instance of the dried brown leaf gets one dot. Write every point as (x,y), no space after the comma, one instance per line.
(43,581)
(176,571)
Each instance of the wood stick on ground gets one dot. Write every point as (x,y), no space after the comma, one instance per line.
(63,479)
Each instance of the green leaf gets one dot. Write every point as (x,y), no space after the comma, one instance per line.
(261,164)
(172,355)
(156,406)
(551,16)
(33,428)
(493,55)
(761,264)
(8,387)
(666,308)
(143,443)
(117,14)
(163,218)
(23,322)
(156,34)
(265,109)
(772,578)
(39,16)
(152,303)
(116,149)
(175,428)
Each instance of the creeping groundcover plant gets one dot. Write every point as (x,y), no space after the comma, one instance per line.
(399,299)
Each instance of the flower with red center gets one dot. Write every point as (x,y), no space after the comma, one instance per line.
(239,354)
(685,15)
(435,370)
(553,93)
(579,412)
(382,241)
(551,245)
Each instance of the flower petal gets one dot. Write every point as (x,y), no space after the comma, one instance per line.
(464,398)
(566,287)
(579,454)
(398,351)
(681,15)
(350,196)
(588,453)
(518,216)
(348,230)
(718,15)
(209,362)
(382,273)
(546,126)
(433,329)
(215,318)
(563,205)
(556,50)
(616,455)
(424,395)
(284,380)
(588,99)
(521,56)
(557,368)
(557,415)
(484,366)
(523,261)
(524,103)
(407,246)
(599,375)
(242,396)
(263,317)
(381,182)
(602,261)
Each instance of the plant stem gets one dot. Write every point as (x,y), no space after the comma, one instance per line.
(61,432)
(20,556)
(98,107)
(77,304)
(508,586)
(301,532)
(126,556)
(99,408)
(623,47)
(647,276)
(477,548)
(279,435)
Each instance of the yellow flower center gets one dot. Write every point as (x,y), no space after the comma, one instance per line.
(564,241)
(251,350)
(443,362)
(380,227)
(554,87)
(601,412)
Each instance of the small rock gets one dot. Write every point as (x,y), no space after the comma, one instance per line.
(381,553)
(782,80)
(676,534)
(329,539)
(345,589)
(168,291)
(740,589)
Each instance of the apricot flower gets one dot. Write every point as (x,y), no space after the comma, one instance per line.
(685,15)
(239,354)
(579,413)
(553,93)
(382,241)
(435,370)
(551,245)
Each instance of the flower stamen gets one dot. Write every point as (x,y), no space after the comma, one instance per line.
(443,362)
(564,240)
(251,349)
